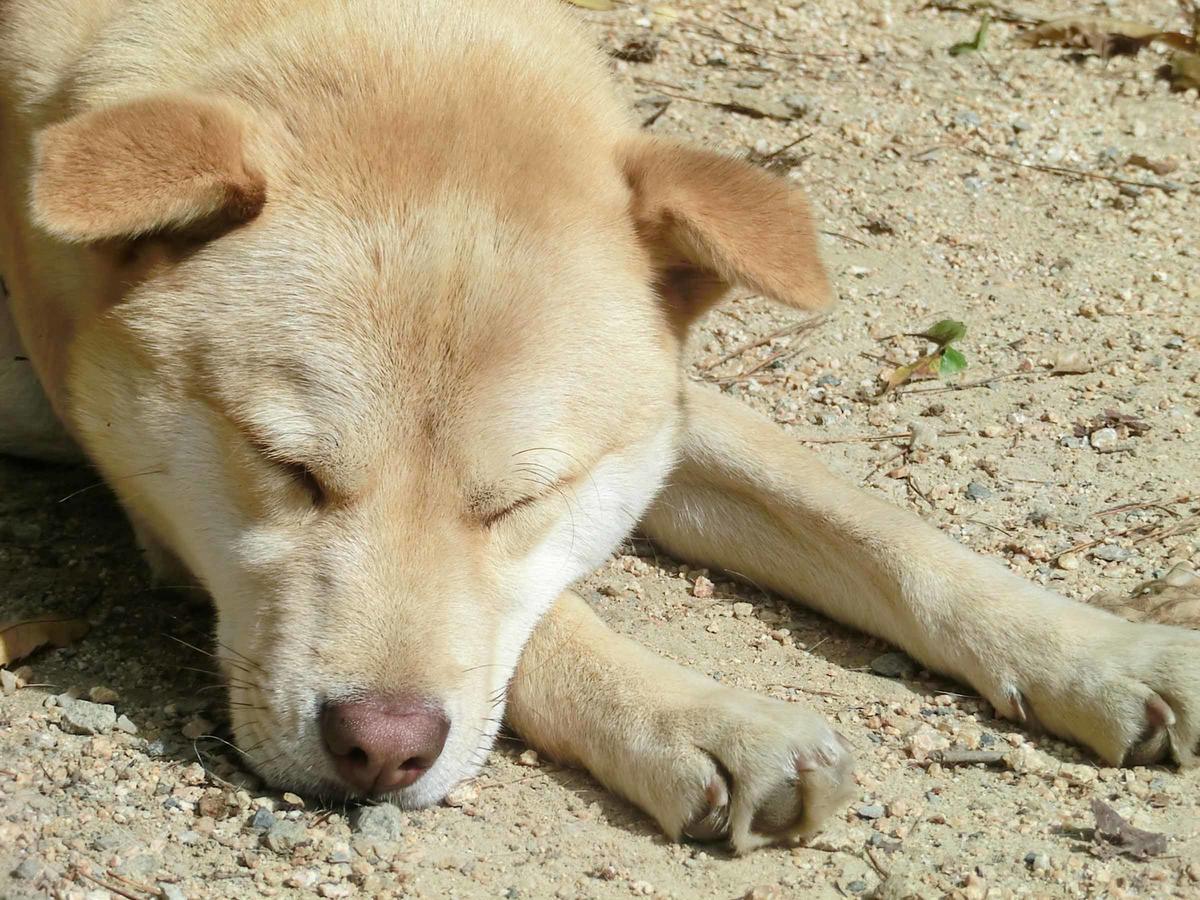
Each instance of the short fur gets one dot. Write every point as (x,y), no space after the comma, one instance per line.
(371,315)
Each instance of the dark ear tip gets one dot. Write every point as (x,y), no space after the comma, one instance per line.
(245,199)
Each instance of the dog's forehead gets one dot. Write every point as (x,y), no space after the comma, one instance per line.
(438,291)
(447,323)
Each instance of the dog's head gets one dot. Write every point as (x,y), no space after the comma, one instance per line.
(386,403)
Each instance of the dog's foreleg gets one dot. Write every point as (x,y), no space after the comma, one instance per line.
(749,499)
(704,760)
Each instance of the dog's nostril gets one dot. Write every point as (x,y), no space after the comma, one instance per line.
(383,743)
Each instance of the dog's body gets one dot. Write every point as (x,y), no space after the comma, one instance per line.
(371,314)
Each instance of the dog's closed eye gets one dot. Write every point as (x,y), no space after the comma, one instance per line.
(306,480)
(490,507)
(299,474)
(489,517)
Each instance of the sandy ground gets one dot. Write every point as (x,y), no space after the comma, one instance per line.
(1039,265)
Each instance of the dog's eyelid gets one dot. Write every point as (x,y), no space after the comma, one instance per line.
(489,513)
(306,478)
(300,472)
(490,518)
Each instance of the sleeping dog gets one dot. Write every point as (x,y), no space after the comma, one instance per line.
(384,305)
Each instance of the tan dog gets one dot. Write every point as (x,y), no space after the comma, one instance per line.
(372,315)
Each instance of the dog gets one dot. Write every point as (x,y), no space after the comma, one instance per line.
(371,314)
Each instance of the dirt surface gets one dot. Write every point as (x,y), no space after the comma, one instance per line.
(1044,268)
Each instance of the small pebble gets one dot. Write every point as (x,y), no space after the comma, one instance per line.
(977,491)
(285,836)
(1039,862)
(870,811)
(28,870)
(85,717)
(529,758)
(1026,759)
(743,610)
(702,588)
(382,822)
(894,665)
(798,104)
(467,792)
(924,741)
(923,436)
(1068,562)
(196,728)
(262,820)
(1111,553)
(1103,438)
(1070,362)
(102,694)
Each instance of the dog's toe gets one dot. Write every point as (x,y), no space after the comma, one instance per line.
(774,772)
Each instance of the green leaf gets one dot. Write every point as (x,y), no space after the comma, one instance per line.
(977,43)
(953,362)
(598,5)
(944,332)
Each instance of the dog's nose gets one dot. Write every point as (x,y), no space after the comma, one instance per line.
(383,743)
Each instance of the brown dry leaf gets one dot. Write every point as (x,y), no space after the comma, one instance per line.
(19,639)
(755,106)
(1124,423)
(1158,166)
(925,367)
(1102,35)
(1114,836)
(1185,70)
(637,50)
(597,5)
(1173,599)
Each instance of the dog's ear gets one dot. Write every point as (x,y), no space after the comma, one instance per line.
(709,221)
(160,163)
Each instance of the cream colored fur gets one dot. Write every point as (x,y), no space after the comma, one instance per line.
(380,339)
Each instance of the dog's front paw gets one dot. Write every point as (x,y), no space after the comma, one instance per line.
(730,765)
(1129,691)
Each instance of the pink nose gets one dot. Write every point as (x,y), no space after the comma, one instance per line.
(383,743)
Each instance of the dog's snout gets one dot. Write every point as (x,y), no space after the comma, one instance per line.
(383,743)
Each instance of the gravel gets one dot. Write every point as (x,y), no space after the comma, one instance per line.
(1111,553)
(978,491)
(283,836)
(85,717)
(385,822)
(894,665)
(28,869)
(1103,438)
(873,96)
